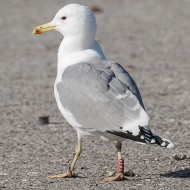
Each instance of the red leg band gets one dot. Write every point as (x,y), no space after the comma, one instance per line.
(120,166)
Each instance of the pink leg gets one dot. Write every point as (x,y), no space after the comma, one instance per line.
(120,175)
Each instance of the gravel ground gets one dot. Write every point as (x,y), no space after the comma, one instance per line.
(151,39)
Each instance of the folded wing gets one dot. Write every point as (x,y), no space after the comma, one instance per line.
(102,96)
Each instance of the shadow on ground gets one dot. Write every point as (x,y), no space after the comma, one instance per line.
(178,174)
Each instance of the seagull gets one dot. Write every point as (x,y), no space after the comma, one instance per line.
(97,96)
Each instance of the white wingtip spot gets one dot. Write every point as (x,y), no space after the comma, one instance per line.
(171,145)
(142,137)
(163,144)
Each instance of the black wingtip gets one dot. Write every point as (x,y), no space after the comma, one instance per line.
(145,136)
(163,142)
(128,135)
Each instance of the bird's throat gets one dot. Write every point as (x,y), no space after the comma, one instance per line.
(73,44)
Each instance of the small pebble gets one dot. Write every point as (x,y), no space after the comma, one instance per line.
(83,168)
(96,8)
(42,119)
(129,173)
(2,186)
(180,157)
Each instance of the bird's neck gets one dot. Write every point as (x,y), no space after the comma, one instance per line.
(70,49)
(73,44)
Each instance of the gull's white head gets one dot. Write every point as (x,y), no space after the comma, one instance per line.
(75,22)
(75,19)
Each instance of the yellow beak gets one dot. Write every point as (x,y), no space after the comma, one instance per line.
(43,28)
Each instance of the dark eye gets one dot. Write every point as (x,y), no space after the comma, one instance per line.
(64,18)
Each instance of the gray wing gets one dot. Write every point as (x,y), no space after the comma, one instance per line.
(102,96)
